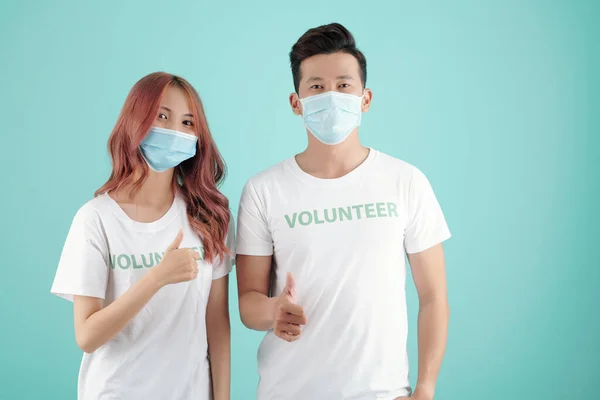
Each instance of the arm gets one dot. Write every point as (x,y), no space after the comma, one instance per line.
(94,325)
(428,270)
(218,333)
(257,309)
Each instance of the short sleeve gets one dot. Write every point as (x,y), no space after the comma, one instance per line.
(426,222)
(83,266)
(225,265)
(253,236)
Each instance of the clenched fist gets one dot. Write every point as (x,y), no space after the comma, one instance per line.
(289,317)
(177,265)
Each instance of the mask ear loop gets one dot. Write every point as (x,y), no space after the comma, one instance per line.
(303,113)
(302,108)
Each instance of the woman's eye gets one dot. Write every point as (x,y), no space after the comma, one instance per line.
(162,116)
(188,123)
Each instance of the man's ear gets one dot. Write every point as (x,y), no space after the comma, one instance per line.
(295,104)
(366,101)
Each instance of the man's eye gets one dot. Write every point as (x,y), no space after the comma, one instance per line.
(316,87)
(345,85)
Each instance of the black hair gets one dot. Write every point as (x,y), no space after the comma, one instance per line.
(325,39)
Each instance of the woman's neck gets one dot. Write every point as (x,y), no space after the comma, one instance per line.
(151,201)
(156,192)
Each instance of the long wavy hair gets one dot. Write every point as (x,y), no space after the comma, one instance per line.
(196,179)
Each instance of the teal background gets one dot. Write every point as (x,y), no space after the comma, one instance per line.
(497,102)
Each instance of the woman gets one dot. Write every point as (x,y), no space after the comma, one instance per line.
(146,262)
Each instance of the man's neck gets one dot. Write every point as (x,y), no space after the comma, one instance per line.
(330,162)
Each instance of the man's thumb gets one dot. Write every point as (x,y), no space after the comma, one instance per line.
(290,286)
(177,242)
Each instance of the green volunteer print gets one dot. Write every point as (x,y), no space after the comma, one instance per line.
(342,214)
(140,261)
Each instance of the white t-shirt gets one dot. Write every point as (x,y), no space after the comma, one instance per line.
(345,241)
(162,353)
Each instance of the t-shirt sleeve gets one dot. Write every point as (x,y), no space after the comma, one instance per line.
(83,266)
(225,265)
(254,236)
(426,222)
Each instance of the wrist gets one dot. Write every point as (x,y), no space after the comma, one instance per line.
(271,305)
(424,391)
(153,280)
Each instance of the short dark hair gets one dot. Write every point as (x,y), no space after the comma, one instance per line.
(325,39)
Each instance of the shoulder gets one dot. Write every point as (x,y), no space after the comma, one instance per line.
(408,176)
(93,211)
(395,166)
(265,181)
(273,173)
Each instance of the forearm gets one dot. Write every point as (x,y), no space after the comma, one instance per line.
(103,325)
(257,310)
(432,338)
(219,352)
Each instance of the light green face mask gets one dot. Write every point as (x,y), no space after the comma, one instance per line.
(331,116)
(164,148)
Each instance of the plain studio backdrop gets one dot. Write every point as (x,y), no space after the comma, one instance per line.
(496,102)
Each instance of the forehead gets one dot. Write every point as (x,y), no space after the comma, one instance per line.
(330,66)
(175,97)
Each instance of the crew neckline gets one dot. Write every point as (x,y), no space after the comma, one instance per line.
(158,224)
(294,168)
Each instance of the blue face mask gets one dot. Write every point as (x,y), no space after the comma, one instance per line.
(332,116)
(164,148)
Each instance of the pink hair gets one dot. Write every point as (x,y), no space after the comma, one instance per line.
(197,179)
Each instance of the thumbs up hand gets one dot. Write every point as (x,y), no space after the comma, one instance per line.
(289,317)
(177,265)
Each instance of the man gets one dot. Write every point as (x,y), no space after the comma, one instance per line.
(322,241)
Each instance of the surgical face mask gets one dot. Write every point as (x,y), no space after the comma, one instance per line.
(331,116)
(164,148)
